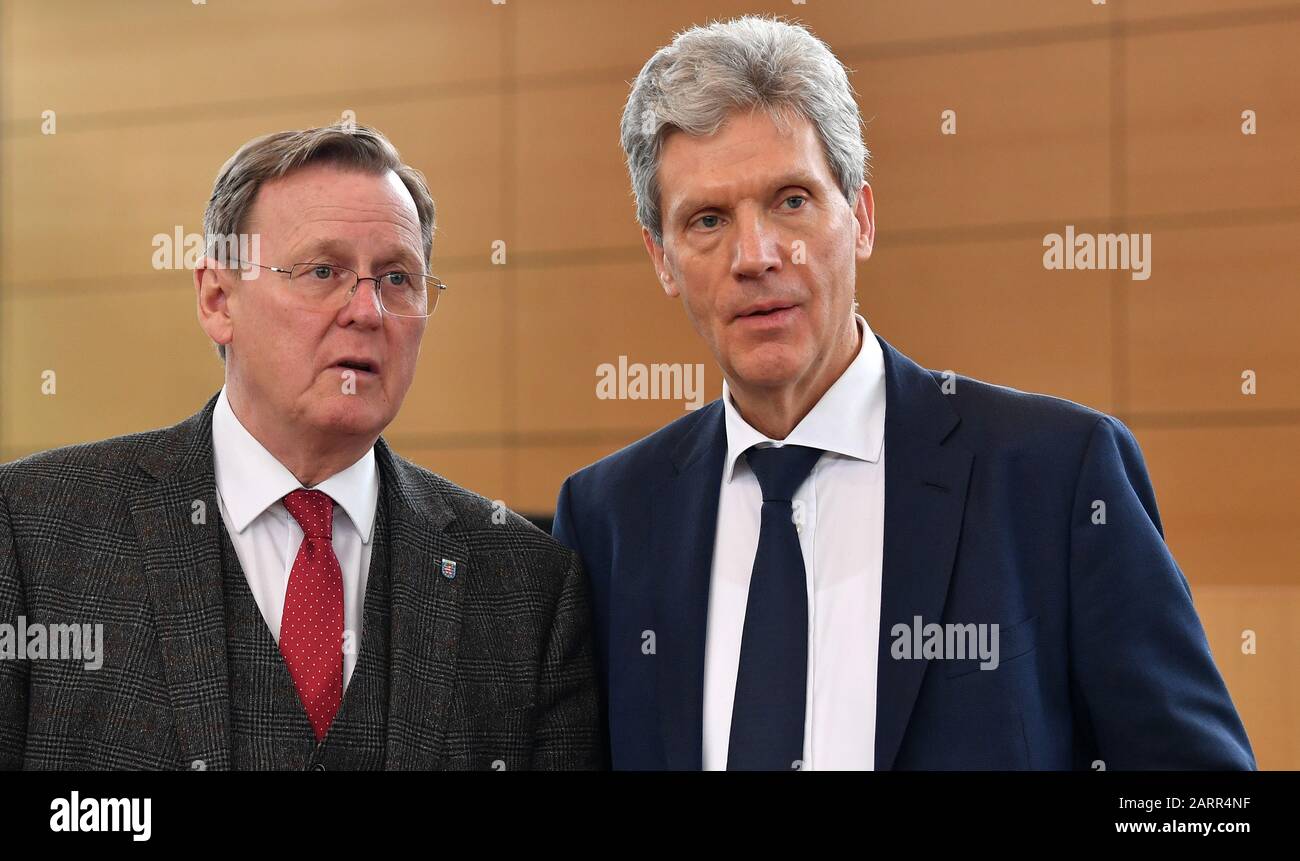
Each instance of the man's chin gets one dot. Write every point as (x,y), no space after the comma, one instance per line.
(769,366)
(352,415)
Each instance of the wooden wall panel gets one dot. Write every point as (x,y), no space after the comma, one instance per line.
(1217,303)
(105,63)
(1185,95)
(1262,684)
(1227,499)
(1123,116)
(629,315)
(542,469)
(123,362)
(563,38)
(1031,144)
(989,310)
(107,192)
(459,385)
(573,189)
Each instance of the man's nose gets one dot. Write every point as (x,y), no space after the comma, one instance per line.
(364,305)
(758,249)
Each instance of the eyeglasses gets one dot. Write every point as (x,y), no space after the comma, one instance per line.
(322,285)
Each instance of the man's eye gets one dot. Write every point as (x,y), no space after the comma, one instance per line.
(397,279)
(708,221)
(323,273)
(799,200)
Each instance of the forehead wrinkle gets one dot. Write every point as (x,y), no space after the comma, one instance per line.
(354,214)
(734,146)
(408,232)
(388,212)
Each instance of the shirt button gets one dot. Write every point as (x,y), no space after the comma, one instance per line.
(320,766)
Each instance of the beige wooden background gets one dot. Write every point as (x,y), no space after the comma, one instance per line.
(1112,116)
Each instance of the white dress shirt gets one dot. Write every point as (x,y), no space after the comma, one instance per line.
(250,486)
(842,504)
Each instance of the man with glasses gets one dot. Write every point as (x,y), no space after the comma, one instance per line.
(277,588)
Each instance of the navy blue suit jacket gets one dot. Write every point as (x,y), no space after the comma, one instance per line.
(989,517)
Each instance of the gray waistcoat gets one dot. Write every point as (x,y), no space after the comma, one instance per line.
(269,729)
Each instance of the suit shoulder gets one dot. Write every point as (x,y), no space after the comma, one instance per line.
(646,456)
(998,411)
(481,518)
(102,463)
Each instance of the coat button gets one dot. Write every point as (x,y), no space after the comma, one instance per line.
(320,766)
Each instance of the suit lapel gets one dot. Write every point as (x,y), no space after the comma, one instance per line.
(427,604)
(925,498)
(175,520)
(684,520)
(182,562)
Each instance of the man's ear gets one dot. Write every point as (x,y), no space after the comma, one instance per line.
(656,252)
(864,212)
(212,286)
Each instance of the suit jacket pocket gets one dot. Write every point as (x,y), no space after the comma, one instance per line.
(1012,641)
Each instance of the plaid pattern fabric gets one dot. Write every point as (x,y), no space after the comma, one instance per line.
(490,663)
(269,729)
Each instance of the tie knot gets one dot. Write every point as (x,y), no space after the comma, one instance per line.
(314,511)
(780,471)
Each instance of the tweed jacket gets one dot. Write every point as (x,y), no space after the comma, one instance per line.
(490,653)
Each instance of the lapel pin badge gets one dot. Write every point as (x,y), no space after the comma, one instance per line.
(449,569)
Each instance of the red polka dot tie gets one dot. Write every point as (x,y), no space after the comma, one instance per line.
(311,629)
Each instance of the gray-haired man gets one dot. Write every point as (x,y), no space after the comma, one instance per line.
(769,571)
(276,587)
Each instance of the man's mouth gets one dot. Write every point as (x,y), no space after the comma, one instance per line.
(771,311)
(358,365)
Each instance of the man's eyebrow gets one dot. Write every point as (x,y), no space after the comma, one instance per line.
(802,180)
(693,204)
(341,250)
(321,248)
(402,257)
(685,207)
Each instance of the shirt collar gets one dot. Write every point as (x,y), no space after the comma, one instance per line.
(848,420)
(250,479)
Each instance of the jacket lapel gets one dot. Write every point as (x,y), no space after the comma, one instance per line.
(925,498)
(684,519)
(182,561)
(175,520)
(427,604)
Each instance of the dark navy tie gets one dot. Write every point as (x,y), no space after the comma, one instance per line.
(768,715)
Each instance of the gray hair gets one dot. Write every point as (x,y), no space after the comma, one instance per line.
(748,62)
(272,156)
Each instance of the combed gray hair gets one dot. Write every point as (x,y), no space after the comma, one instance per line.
(272,156)
(750,62)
